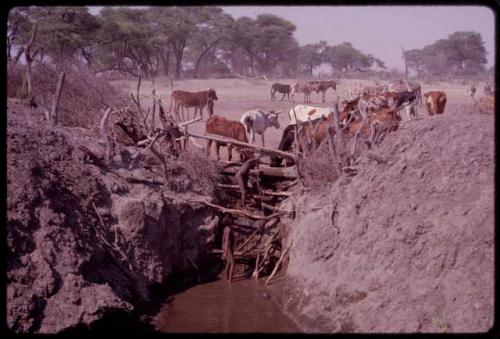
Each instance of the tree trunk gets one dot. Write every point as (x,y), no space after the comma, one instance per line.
(29,60)
(56,98)
(201,57)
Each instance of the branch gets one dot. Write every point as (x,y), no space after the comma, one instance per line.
(278,263)
(240,212)
(106,136)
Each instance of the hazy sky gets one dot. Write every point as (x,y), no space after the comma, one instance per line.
(379,30)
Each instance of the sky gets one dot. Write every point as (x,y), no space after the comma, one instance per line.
(379,30)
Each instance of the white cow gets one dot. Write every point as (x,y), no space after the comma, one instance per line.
(305,113)
(257,121)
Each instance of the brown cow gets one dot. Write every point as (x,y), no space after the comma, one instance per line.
(386,118)
(229,129)
(435,101)
(198,100)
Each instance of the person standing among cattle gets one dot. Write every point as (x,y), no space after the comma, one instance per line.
(198,100)
(228,252)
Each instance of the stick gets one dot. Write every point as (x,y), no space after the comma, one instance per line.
(278,263)
(248,239)
(239,212)
(182,124)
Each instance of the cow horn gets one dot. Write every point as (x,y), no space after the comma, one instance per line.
(278,112)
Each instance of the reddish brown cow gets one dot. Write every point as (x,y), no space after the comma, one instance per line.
(198,100)
(229,129)
(435,101)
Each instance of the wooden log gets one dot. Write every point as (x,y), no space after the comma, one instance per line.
(264,150)
(273,172)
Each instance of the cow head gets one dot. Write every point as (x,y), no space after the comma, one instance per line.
(333,85)
(435,102)
(272,117)
(211,94)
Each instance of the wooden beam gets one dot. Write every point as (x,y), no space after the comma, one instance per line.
(276,172)
(264,150)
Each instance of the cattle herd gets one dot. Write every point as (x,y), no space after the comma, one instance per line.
(360,114)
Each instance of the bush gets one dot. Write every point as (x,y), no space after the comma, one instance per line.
(319,167)
(82,97)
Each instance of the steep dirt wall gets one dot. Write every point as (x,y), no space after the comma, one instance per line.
(83,242)
(410,243)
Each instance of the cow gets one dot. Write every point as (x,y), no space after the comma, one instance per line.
(322,86)
(409,86)
(435,102)
(305,113)
(280,88)
(192,99)
(229,129)
(302,88)
(387,118)
(257,121)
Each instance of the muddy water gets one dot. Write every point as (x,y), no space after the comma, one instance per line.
(242,306)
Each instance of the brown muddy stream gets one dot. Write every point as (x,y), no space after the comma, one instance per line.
(242,306)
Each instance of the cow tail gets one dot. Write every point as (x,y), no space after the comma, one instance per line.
(248,126)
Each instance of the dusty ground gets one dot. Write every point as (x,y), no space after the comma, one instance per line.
(403,246)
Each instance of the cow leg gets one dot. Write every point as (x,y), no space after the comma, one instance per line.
(263,144)
(229,152)
(353,150)
(323,96)
(217,148)
(209,144)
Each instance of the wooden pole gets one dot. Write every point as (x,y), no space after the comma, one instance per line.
(264,150)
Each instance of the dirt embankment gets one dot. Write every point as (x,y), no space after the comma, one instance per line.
(84,242)
(403,246)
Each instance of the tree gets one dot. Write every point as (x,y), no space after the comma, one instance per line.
(213,26)
(345,57)
(62,31)
(461,53)
(312,55)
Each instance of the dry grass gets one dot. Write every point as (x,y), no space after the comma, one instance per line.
(83,94)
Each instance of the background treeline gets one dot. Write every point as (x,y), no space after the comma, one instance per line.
(192,42)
